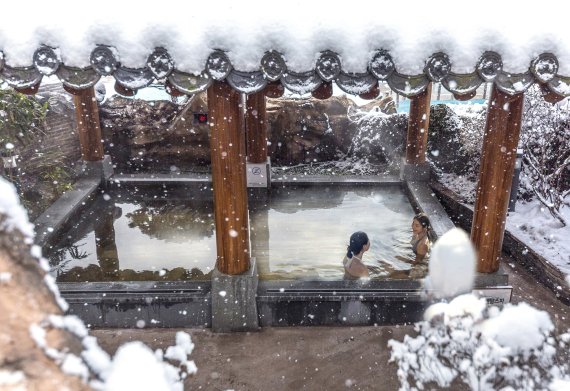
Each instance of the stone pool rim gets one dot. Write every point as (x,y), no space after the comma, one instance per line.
(188,303)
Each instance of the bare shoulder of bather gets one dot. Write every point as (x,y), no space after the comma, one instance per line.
(422,250)
(358,269)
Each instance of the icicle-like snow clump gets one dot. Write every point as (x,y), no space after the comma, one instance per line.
(452,264)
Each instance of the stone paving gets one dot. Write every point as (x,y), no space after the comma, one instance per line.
(312,358)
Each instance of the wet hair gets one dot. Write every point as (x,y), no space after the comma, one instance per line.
(357,241)
(423,219)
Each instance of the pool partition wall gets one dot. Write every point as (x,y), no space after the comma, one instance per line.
(149,249)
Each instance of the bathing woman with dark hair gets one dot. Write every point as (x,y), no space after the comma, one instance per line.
(422,237)
(354,268)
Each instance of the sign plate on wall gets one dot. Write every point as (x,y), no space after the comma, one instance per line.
(257,174)
(497,295)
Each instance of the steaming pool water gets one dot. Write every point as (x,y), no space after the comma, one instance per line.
(138,233)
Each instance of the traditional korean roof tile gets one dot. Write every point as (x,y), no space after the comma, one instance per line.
(302,46)
(105,61)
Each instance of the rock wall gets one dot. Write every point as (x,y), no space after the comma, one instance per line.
(309,130)
(380,138)
(165,136)
(454,142)
(58,140)
(138,134)
(45,164)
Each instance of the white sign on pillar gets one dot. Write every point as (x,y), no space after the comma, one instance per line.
(258,174)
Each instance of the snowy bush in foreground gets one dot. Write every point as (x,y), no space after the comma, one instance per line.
(464,341)
(486,349)
(134,366)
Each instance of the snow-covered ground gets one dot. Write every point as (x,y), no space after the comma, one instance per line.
(531,222)
(460,184)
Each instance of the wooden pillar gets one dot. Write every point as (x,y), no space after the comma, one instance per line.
(500,142)
(256,128)
(228,179)
(418,124)
(88,126)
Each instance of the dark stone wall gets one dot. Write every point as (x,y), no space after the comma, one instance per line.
(159,135)
(163,136)
(59,140)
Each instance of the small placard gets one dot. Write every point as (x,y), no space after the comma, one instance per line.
(257,174)
(497,295)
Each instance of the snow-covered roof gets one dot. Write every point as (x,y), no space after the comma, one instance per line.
(300,43)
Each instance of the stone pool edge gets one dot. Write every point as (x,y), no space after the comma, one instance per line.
(548,275)
(189,303)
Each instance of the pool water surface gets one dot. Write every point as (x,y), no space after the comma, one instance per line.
(297,232)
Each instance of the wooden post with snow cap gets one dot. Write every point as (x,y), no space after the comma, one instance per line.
(500,141)
(228,179)
(418,124)
(256,128)
(88,125)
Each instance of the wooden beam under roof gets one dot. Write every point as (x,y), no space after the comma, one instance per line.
(256,128)
(418,124)
(88,123)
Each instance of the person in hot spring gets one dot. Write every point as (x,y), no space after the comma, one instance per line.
(422,237)
(354,268)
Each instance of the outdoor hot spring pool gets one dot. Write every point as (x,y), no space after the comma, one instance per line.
(297,232)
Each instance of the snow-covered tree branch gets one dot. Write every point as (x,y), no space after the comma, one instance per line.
(545,137)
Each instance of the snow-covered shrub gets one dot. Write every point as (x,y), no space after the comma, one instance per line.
(454,146)
(380,137)
(134,366)
(473,118)
(485,348)
(455,138)
(464,341)
(445,150)
(545,137)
